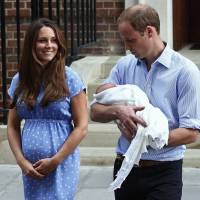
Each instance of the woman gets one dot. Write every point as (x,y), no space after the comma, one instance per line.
(51,99)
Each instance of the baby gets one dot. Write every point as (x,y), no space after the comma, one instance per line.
(154,135)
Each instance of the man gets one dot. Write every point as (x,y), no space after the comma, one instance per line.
(171,83)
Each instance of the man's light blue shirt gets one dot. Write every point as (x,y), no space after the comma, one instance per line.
(173,85)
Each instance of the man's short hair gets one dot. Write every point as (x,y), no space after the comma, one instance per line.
(140,16)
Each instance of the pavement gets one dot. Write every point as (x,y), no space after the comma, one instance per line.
(93,184)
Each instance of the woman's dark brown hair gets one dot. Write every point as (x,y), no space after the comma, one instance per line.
(33,76)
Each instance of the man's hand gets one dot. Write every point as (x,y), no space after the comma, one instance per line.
(129,135)
(129,120)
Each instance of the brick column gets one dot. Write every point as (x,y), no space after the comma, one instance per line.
(108,40)
(11,41)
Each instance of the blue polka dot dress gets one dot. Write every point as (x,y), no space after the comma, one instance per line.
(44,132)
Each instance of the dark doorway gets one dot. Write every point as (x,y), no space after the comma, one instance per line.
(194,24)
(186,25)
(180,23)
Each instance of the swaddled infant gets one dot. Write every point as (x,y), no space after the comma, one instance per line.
(154,135)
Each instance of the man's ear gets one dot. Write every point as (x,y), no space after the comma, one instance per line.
(150,30)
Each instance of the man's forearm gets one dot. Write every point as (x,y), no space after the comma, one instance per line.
(103,113)
(180,136)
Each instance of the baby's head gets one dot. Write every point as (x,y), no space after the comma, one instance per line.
(105,87)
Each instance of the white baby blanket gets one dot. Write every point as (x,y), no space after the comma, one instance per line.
(154,135)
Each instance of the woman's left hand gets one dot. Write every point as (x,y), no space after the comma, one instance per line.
(45,166)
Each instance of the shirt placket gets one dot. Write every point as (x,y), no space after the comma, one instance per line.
(148,85)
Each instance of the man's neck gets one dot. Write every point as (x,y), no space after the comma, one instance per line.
(157,50)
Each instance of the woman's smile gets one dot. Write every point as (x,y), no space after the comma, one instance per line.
(46,45)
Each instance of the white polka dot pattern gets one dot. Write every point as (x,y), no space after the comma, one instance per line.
(44,132)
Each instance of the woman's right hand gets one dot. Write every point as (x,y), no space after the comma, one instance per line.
(29,170)
(14,138)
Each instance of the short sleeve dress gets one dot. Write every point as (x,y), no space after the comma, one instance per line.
(44,132)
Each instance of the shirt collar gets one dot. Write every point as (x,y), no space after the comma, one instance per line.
(164,59)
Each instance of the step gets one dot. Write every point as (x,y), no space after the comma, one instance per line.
(101,135)
(99,156)
(3,134)
(106,156)
(193,55)
(6,156)
(96,69)
(89,155)
(192,158)
(91,66)
(108,65)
